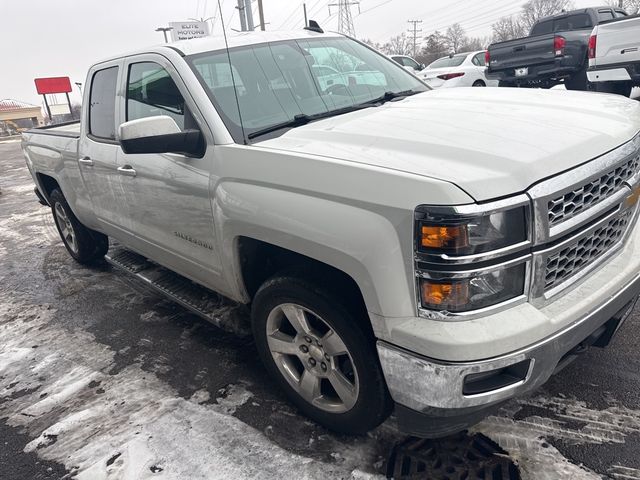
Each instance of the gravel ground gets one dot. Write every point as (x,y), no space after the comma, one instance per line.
(102,378)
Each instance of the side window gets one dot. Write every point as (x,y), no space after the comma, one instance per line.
(102,104)
(478,60)
(151,91)
(604,15)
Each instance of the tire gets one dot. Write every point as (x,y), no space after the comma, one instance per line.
(479,83)
(83,244)
(311,366)
(578,81)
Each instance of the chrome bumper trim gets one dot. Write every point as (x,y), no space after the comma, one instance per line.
(421,383)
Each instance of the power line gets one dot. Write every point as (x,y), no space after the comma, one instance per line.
(414,31)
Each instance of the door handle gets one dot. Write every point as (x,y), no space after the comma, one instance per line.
(86,161)
(127,170)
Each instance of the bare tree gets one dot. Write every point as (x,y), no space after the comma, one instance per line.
(508,28)
(455,37)
(534,10)
(399,45)
(630,6)
(372,44)
(474,43)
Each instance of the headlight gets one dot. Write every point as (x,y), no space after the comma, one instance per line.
(473,292)
(468,259)
(468,235)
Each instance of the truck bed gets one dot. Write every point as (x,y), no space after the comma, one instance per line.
(68,129)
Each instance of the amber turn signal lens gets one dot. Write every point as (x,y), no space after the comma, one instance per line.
(445,295)
(444,236)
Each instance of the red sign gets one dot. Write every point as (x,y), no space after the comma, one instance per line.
(53,85)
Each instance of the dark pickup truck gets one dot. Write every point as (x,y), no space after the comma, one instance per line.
(555,51)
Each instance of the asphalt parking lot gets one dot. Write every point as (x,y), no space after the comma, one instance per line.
(102,378)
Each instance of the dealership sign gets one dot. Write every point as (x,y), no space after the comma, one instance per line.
(45,86)
(188,30)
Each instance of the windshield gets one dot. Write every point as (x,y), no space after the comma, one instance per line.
(443,62)
(277,82)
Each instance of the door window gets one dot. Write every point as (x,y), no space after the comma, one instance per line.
(151,92)
(102,104)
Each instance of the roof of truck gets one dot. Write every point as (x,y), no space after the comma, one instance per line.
(234,39)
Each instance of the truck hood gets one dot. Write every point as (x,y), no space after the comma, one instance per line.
(491,142)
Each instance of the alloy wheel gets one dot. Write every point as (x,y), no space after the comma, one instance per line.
(312,358)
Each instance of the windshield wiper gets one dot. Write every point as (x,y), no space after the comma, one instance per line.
(303,119)
(389,96)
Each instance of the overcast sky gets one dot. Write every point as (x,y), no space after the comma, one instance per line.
(42,38)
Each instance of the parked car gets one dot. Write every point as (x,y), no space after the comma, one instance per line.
(614,55)
(555,51)
(407,62)
(433,252)
(460,70)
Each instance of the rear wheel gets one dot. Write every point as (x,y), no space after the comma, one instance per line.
(82,243)
(479,83)
(578,81)
(319,353)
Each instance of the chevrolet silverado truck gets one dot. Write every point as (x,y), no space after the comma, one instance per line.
(432,253)
(614,56)
(555,51)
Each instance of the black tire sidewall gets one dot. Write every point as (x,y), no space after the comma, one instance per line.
(91,245)
(374,403)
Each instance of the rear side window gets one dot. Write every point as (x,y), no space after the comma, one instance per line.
(151,91)
(102,104)
(604,15)
(478,59)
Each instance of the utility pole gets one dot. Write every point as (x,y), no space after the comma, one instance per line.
(621,3)
(414,31)
(241,14)
(164,30)
(261,15)
(345,20)
(248,13)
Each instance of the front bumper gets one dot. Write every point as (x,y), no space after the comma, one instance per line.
(449,396)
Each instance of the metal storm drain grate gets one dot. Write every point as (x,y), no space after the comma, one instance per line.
(459,457)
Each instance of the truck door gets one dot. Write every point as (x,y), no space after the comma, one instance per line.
(98,148)
(166,196)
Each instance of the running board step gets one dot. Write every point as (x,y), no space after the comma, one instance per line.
(222,312)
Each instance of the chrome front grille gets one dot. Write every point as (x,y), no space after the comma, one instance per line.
(588,195)
(579,255)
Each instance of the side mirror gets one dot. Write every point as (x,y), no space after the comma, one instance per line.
(422,66)
(159,134)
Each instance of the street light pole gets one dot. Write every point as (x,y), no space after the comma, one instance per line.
(164,30)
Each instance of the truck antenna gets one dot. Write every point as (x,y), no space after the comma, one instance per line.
(233,80)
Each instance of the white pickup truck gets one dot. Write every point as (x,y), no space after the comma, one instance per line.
(614,55)
(432,252)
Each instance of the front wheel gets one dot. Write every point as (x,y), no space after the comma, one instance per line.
(83,244)
(320,355)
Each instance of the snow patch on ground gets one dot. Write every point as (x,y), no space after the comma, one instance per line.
(132,425)
(570,420)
